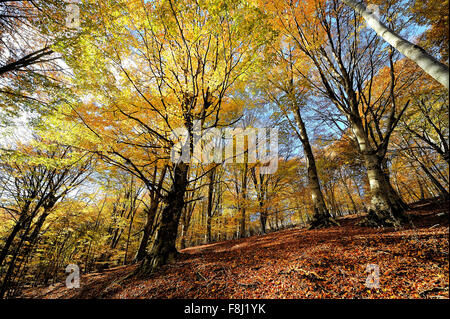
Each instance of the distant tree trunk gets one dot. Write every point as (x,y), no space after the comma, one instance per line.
(186,220)
(347,190)
(209,207)
(334,205)
(164,250)
(261,194)
(271,226)
(308,218)
(361,197)
(301,217)
(441,189)
(182,236)
(276,220)
(263,221)
(244,198)
(429,64)
(208,230)
(422,191)
(262,213)
(242,223)
(128,237)
(184,227)
(37,228)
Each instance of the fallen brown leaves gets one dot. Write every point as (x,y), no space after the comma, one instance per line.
(295,263)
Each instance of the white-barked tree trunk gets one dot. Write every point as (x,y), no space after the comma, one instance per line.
(429,64)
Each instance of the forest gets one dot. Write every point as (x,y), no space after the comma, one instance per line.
(224,149)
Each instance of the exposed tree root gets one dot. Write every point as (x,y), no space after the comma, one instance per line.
(152,263)
(322,221)
(384,218)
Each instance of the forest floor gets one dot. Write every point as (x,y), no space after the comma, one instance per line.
(413,262)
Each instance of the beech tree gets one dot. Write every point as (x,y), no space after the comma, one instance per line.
(36,179)
(125,158)
(328,40)
(172,71)
(429,64)
(289,91)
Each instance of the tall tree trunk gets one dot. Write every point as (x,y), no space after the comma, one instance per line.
(17,227)
(208,230)
(209,207)
(164,250)
(147,231)
(12,263)
(301,217)
(128,237)
(361,197)
(347,190)
(244,198)
(385,211)
(429,64)
(29,245)
(263,220)
(277,220)
(386,208)
(12,235)
(441,189)
(321,217)
(186,220)
(151,214)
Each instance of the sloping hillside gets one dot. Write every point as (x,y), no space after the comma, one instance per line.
(295,263)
